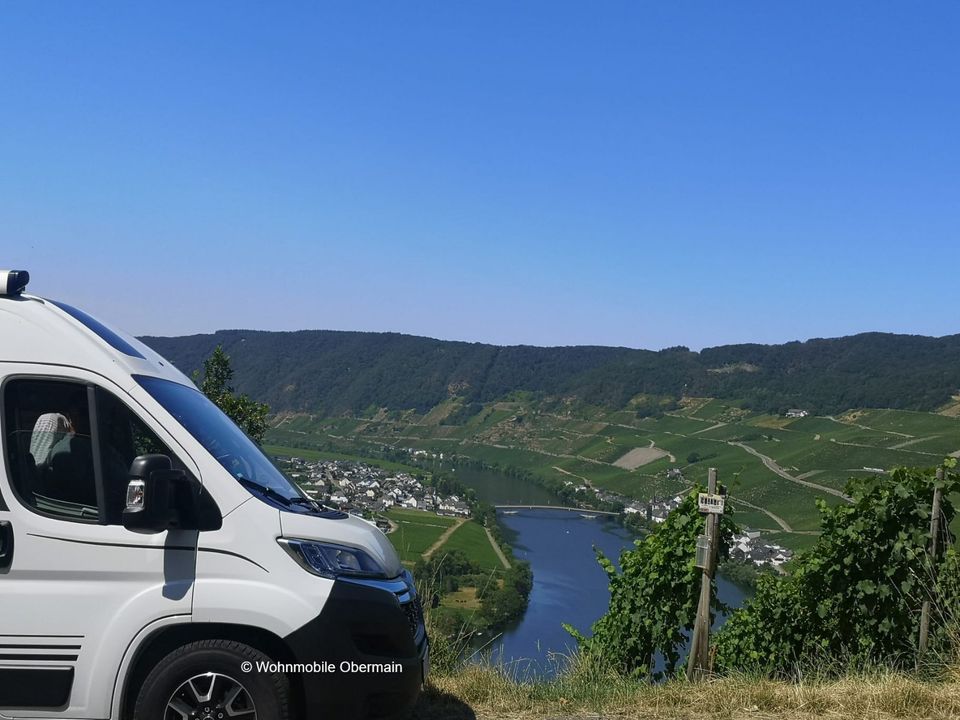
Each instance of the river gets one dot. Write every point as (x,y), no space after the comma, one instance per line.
(568,584)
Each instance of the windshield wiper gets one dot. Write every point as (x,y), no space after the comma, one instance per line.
(266,490)
(304,501)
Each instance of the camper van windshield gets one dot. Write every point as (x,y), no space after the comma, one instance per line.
(224,440)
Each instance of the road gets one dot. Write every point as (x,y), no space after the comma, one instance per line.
(772,465)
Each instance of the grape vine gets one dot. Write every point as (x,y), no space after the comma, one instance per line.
(654,595)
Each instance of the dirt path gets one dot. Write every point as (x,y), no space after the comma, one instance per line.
(497,550)
(908,443)
(772,465)
(535,450)
(866,427)
(444,536)
(578,477)
(895,447)
(712,427)
(784,525)
(393,525)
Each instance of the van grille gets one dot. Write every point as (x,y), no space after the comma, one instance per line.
(414,612)
(406,593)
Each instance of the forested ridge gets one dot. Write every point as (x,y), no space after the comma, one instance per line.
(333,372)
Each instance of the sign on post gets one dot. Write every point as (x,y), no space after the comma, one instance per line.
(711,504)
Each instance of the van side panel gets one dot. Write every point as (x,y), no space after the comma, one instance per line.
(97,595)
(245,577)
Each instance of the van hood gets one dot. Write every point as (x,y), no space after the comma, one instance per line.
(348,531)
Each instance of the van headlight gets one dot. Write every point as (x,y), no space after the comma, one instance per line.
(330,560)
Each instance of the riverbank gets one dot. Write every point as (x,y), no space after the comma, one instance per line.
(569,587)
(487,694)
(467,574)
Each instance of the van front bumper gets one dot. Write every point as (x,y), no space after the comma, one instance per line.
(367,652)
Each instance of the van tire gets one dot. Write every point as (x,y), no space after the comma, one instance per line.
(269,691)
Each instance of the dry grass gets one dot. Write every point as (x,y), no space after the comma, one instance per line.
(481,692)
(464,598)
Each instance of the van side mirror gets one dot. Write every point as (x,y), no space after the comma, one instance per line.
(162,498)
(149,493)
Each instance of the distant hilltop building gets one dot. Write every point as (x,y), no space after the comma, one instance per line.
(795,413)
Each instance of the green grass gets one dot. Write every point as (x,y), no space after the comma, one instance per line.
(416,531)
(917,424)
(747,517)
(472,540)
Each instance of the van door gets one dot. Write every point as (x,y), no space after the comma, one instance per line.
(75,585)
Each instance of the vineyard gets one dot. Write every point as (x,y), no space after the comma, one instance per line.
(853,599)
(776,468)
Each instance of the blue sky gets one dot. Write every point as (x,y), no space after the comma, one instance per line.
(639,174)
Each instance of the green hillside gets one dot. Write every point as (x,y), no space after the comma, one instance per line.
(775,467)
(331,373)
(619,419)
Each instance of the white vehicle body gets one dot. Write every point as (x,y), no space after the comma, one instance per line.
(89,607)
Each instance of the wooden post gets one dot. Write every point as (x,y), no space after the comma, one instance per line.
(698,658)
(934,547)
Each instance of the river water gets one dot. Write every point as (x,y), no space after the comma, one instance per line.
(569,586)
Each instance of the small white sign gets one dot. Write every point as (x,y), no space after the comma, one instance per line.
(711,504)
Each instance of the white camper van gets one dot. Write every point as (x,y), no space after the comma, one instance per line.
(154,564)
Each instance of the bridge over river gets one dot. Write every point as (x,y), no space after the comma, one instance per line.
(583,511)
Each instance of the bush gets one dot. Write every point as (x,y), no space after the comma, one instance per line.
(653,599)
(856,595)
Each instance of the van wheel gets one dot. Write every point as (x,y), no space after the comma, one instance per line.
(213,680)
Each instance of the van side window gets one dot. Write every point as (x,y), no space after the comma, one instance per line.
(49,448)
(123,437)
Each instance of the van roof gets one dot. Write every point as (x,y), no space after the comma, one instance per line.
(38,330)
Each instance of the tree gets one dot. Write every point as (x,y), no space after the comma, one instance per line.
(249,415)
(501,604)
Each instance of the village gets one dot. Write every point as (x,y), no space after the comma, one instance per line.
(747,546)
(363,489)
